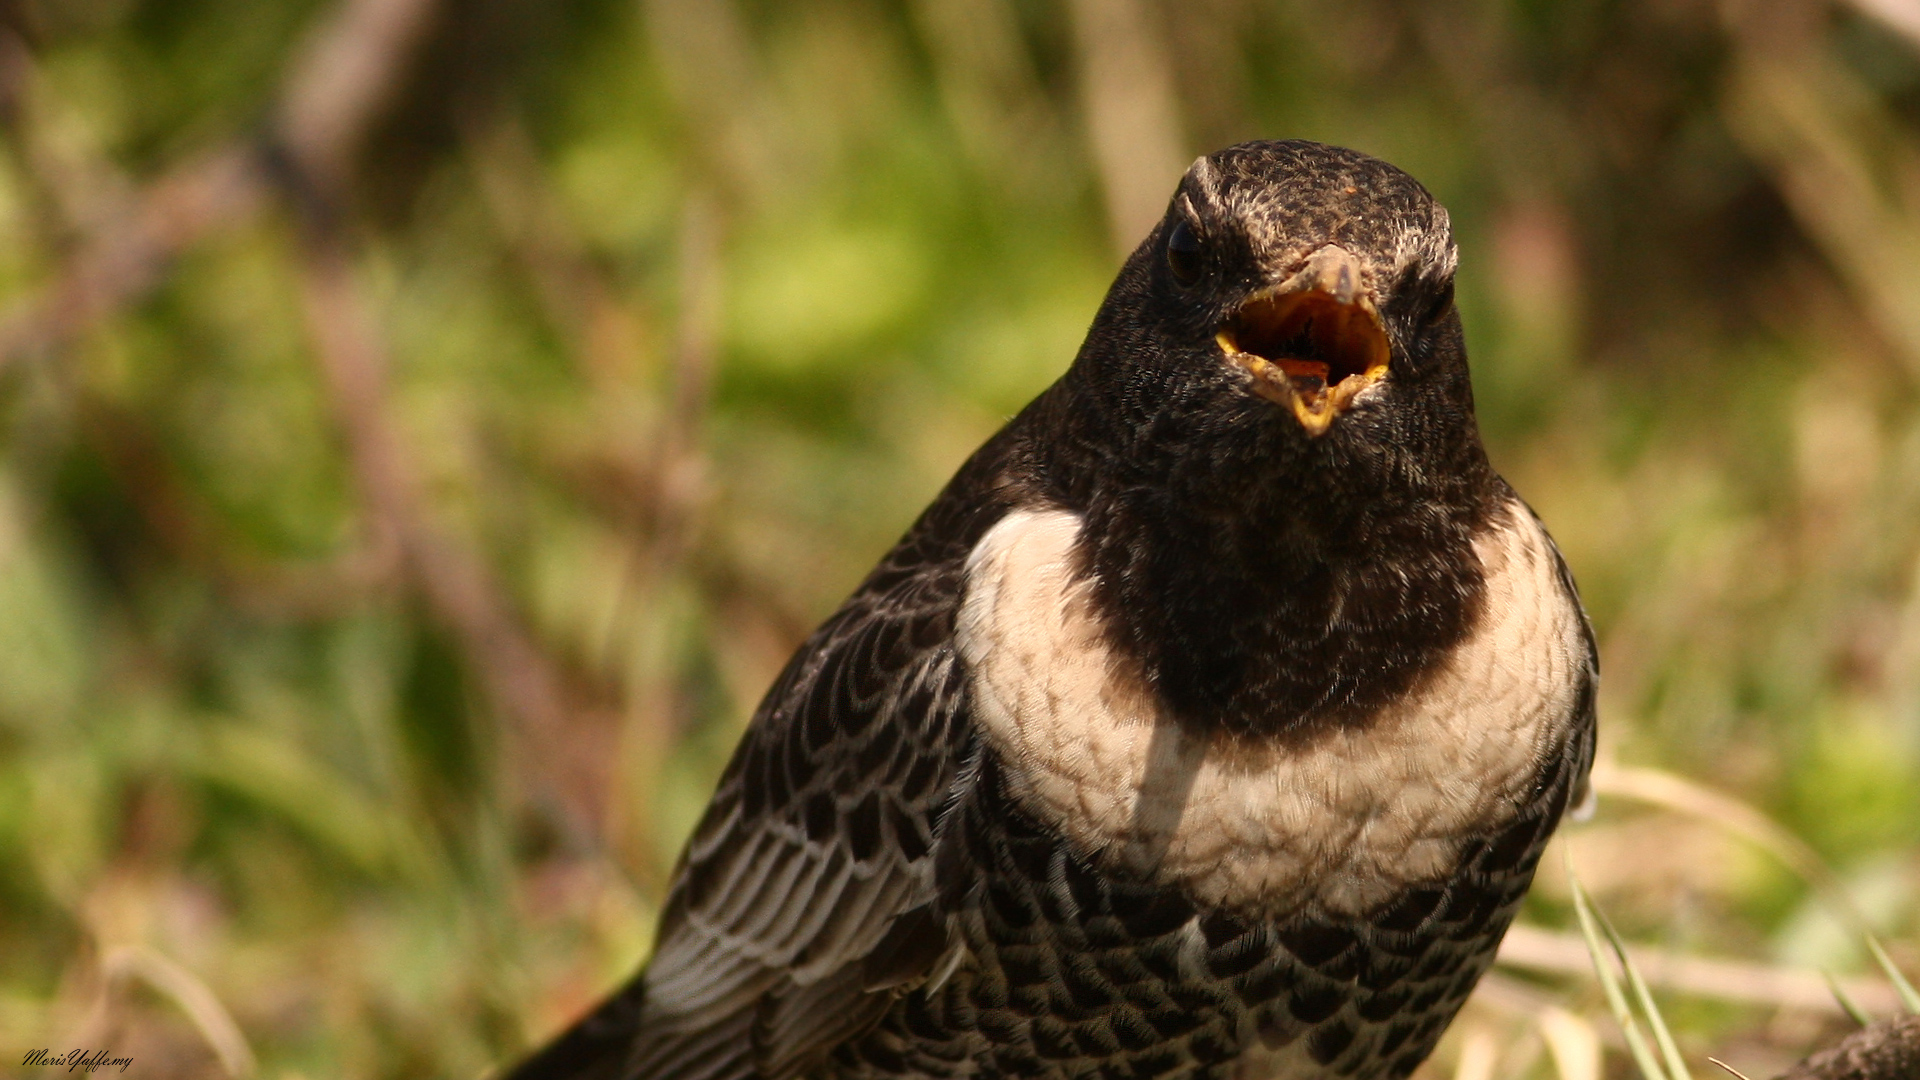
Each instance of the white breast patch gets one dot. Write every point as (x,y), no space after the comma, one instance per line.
(1343,818)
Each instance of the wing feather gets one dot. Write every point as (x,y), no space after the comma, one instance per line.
(720,1052)
(790,882)
(764,863)
(794,1029)
(823,833)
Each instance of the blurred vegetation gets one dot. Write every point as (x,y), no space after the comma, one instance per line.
(425,427)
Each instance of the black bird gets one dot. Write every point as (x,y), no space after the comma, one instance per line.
(1209,724)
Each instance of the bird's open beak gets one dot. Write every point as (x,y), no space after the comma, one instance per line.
(1314,342)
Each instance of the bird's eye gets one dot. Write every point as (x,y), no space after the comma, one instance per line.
(1441,302)
(1184,254)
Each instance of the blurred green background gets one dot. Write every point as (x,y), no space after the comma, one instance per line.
(427,425)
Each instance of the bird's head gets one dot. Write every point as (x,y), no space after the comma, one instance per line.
(1291,315)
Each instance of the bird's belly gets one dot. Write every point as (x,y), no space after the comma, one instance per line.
(1071,970)
(1337,821)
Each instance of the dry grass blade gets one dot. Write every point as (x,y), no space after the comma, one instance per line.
(193,997)
(1730,1069)
(1572,1042)
(1664,789)
(1610,984)
(1656,787)
(1479,1055)
(1534,948)
(1901,16)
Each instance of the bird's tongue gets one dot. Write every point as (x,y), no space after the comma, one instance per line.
(1309,378)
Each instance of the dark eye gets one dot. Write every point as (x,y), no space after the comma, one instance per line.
(1441,303)
(1184,254)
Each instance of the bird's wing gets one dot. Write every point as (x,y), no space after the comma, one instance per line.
(816,847)
(805,902)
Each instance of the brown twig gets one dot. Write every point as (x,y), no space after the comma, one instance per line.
(705,51)
(119,240)
(118,265)
(680,461)
(338,84)
(1132,113)
(1837,158)
(578,296)
(335,93)
(455,583)
(654,451)
(679,493)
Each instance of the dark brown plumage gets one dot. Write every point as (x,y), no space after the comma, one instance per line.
(1209,723)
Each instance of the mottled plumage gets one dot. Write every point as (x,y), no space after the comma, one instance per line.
(1209,723)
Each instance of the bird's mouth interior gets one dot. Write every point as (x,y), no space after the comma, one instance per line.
(1307,350)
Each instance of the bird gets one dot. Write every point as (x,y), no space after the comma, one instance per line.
(1208,724)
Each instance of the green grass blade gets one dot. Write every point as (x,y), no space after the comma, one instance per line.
(1846,1003)
(1610,984)
(1908,996)
(1669,1050)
